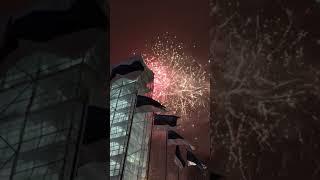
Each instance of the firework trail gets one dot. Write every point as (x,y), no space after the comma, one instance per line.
(262,83)
(180,83)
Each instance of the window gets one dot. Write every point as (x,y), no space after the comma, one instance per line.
(115,93)
(117,131)
(115,148)
(114,168)
(119,117)
(122,104)
(113,104)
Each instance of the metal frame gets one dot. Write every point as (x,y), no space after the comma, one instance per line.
(63,137)
(134,159)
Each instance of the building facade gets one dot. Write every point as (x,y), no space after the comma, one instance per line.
(129,130)
(43,106)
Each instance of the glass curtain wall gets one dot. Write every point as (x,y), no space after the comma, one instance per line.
(37,140)
(130,131)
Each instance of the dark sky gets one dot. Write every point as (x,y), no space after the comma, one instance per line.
(291,155)
(134,22)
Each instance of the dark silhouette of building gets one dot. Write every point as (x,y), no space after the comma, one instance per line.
(50,107)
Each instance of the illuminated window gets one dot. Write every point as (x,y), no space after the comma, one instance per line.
(115,148)
(114,168)
(113,104)
(119,117)
(122,104)
(117,131)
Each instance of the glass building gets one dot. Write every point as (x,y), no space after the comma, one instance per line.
(130,131)
(43,102)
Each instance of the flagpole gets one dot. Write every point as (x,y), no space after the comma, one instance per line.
(150,141)
(129,137)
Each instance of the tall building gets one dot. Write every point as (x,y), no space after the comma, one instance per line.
(44,102)
(130,130)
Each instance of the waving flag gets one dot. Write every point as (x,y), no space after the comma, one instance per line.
(178,159)
(176,139)
(170,120)
(194,161)
(165,122)
(147,104)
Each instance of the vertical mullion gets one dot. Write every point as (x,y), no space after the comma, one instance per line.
(22,131)
(133,104)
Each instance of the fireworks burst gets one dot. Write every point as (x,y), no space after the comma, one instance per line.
(180,83)
(264,87)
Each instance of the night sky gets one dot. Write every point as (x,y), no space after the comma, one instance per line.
(135,22)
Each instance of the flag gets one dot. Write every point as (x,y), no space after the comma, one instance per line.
(170,120)
(129,71)
(146,104)
(194,161)
(214,176)
(176,139)
(178,159)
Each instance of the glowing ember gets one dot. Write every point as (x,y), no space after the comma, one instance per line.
(180,83)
